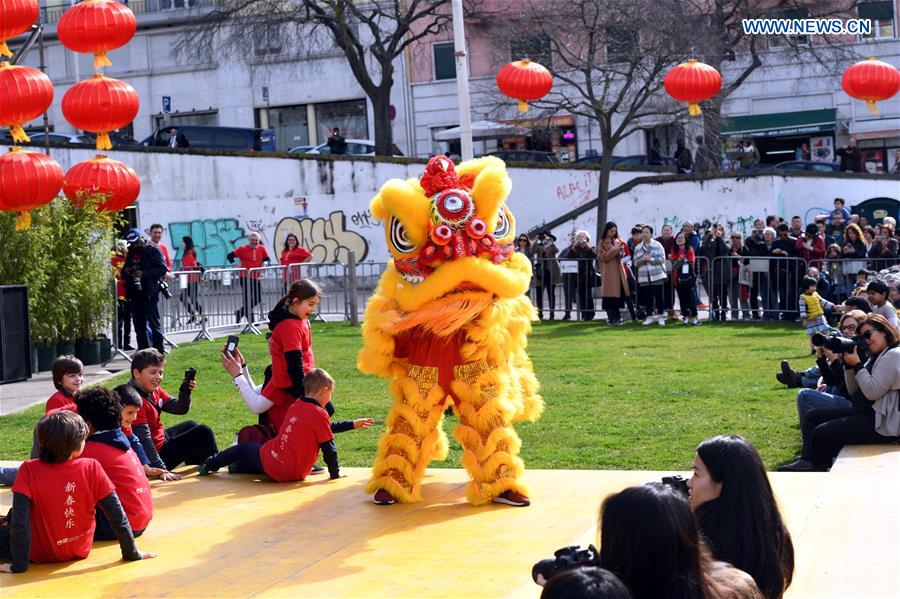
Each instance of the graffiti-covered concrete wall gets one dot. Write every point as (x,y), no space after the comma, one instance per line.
(219,200)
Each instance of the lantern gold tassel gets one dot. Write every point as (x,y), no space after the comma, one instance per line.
(871,107)
(103,142)
(101,60)
(19,135)
(23,222)
(694,109)
(523,106)
(4,50)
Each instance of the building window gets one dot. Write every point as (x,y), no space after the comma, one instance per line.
(267,40)
(208,118)
(533,47)
(349,116)
(881,14)
(781,41)
(444,61)
(291,125)
(621,44)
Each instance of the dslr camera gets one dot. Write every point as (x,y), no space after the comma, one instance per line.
(677,483)
(836,343)
(164,289)
(563,559)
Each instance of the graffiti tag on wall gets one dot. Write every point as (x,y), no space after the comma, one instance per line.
(742,224)
(213,239)
(326,238)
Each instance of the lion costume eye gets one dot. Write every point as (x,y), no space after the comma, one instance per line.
(399,239)
(502,228)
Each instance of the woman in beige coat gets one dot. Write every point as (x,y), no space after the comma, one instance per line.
(614,282)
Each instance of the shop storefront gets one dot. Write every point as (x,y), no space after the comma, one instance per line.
(783,136)
(556,134)
(879,143)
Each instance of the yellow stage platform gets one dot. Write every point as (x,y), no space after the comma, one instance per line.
(236,536)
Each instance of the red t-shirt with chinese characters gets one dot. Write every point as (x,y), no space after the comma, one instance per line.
(252,257)
(127,474)
(60,401)
(291,455)
(150,415)
(63,497)
(289,335)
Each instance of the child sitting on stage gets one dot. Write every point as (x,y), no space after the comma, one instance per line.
(68,377)
(54,498)
(131,404)
(291,455)
(106,443)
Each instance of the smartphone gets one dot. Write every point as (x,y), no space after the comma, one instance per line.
(189,374)
(232,344)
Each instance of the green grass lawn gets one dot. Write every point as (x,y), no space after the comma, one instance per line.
(616,398)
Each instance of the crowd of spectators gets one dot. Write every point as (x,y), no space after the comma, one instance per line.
(757,276)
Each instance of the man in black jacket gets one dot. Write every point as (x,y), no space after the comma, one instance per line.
(787,273)
(143,269)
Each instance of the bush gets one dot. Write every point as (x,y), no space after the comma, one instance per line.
(63,259)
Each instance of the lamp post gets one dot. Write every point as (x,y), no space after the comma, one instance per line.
(462,82)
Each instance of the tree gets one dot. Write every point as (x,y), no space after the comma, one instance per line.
(716,26)
(607,58)
(372,34)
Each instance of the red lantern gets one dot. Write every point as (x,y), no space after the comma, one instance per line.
(693,82)
(524,80)
(871,80)
(16,16)
(100,105)
(28,180)
(25,93)
(116,182)
(96,26)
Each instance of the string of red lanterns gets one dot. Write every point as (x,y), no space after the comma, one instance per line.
(28,180)
(100,104)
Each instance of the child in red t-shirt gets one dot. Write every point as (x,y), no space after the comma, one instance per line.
(131,403)
(291,455)
(54,498)
(106,443)
(166,448)
(291,344)
(68,377)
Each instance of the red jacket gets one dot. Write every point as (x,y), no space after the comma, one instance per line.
(816,253)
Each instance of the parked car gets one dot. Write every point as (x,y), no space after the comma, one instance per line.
(525,156)
(300,149)
(54,139)
(808,165)
(595,159)
(216,138)
(641,160)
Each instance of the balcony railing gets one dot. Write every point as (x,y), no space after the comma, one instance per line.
(52,14)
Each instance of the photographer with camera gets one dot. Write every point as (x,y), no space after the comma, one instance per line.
(546,272)
(874,391)
(737,513)
(143,270)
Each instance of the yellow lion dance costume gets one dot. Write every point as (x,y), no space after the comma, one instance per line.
(448,324)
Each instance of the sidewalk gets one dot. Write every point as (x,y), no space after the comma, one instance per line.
(15,397)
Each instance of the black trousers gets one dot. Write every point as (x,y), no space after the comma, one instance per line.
(570,285)
(188,442)
(829,429)
(686,299)
(651,298)
(549,289)
(252,295)
(585,300)
(244,456)
(123,316)
(613,308)
(145,312)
